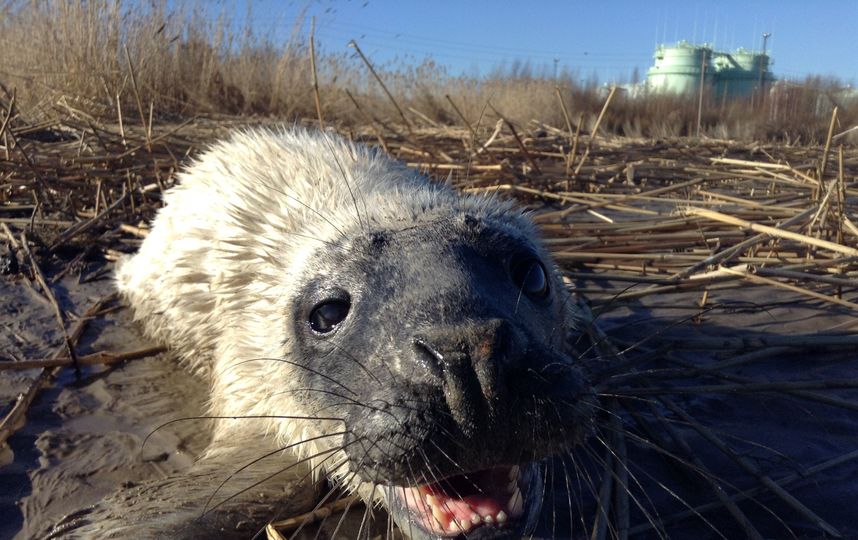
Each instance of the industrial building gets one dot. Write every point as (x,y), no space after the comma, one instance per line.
(680,69)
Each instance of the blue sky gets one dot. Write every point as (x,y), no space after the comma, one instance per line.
(606,38)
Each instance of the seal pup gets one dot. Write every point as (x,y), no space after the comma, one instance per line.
(407,341)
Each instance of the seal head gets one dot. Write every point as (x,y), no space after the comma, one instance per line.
(443,340)
(406,340)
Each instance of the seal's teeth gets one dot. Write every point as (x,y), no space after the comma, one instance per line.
(512,485)
(513,479)
(489,519)
(432,500)
(442,517)
(476,519)
(501,517)
(514,472)
(515,506)
(464,525)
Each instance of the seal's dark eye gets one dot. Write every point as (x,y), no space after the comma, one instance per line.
(530,277)
(328,314)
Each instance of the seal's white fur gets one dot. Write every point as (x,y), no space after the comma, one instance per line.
(215,278)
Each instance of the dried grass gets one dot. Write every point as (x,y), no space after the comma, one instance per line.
(189,60)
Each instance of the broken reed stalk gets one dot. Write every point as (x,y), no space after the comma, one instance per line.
(841,195)
(474,149)
(8,116)
(829,384)
(99,358)
(621,476)
(16,418)
(602,115)
(464,121)
(717,370)
(316,515)
(603,501)
(137,97)
(746,464)
(824,159)
(518,141)
(725,255)
(119,119)
(370,121)
(316,97)
(49,294)
(78,228)
(772,231)
(792,288)
(703,472)
(750,494)
(136,231)
(353,44)
(565,111)
(574,151)
(12,240)
(570,155)
(595,130)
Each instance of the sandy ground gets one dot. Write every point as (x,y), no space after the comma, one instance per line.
(83,439)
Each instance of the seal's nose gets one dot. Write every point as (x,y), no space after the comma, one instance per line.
(472,362)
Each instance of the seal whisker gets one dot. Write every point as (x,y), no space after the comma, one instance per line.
(342,519)
(305,205)
(324,500)
(347,399)
(579,472)
(676,496)
(264,456)
(345,179)
(330,452)
(295,364)
(346,484)
(320,503)
(237,417)
(360,364)
(656,521)
(430,468)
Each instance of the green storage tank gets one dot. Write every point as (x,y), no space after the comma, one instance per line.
(746,70)
(677,69)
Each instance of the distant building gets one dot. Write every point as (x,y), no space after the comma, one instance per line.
(680,68)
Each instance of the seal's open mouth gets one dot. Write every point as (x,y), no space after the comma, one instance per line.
(492,498)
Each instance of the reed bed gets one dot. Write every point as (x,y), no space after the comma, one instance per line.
(628,220)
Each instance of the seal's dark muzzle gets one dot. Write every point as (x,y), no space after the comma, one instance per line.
(476,391)
(472,363)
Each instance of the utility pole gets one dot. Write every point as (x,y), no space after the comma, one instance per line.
(763,59)
(556,60)
(702,87)
(763,62)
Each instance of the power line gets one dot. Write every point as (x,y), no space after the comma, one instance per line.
(459,46)
(567,63)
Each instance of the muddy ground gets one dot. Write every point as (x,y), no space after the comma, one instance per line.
(83,438)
